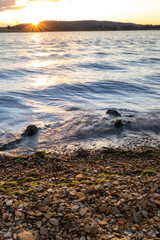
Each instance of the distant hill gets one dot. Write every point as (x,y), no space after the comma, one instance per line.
(78,26)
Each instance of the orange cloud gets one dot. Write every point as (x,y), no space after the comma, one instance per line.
(17,4)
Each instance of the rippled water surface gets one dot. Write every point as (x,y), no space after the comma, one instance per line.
(64,82)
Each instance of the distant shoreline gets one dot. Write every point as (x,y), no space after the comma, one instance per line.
(138,30)
(65,26)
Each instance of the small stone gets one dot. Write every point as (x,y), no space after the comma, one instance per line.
(157,202)
(134,229)
(39,224)
(48,215)
(80,195)
(68,226)
(5,216)
(79,177)
(18,214)
(108,185)
(82,212)
(102,223)
(144,213)
(54,222)
(73,193)
(105,237)
(7,235)
(115,211)
(9,203)
(43,231)
(137,217)
(82,238)
(74,208)
(60,209)
(91,228)
(103,208)
(26,236)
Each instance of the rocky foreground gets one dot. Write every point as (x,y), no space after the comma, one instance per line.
(83,195)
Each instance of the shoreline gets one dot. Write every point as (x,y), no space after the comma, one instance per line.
(81,195)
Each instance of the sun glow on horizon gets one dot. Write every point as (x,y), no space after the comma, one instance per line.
(35,11)
(35,22)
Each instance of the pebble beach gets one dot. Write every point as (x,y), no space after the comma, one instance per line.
(81,195)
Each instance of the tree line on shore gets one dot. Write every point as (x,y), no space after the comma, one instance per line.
(79,26)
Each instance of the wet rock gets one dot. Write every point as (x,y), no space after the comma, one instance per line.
(26,236)
(30,130)
(113,112)
(118,123)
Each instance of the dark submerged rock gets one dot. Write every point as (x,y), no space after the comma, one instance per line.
(30,130)
(118,123)
(113,112)
(10,145)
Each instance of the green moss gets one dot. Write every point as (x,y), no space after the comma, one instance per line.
(34,183)
(149,172)
(68,165)
(70,183)
(28,179)
(106,172)
(90,182)
(2,190)
(7,185)
(20,192)
(137,171)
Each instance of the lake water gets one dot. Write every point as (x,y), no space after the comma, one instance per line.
(64,82)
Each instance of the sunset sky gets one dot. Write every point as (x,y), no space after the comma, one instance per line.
(33,11)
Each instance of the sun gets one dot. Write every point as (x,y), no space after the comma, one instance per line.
(35,22)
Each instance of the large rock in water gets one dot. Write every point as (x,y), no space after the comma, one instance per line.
(113,112)
(30,130)
(118,123)
(26,236)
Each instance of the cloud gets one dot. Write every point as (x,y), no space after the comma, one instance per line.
(17,4)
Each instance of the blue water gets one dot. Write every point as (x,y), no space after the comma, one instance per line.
(64,82)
